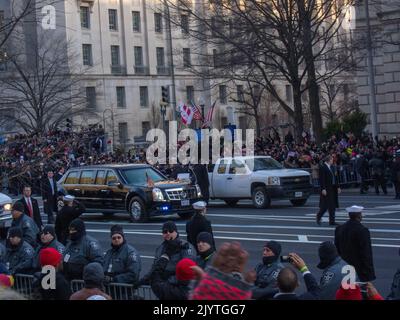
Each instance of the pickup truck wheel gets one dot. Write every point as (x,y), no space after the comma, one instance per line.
(298,202)
(261,199)
(137,210)
(185,216)
(231,203)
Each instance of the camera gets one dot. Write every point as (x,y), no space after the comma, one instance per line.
(286,259)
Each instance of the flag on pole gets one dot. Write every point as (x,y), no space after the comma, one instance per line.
(196,112)
(186,114)
(209,116)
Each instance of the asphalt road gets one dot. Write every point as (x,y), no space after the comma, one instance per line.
(293,227)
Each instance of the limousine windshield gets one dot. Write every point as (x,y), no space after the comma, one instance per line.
(138,176)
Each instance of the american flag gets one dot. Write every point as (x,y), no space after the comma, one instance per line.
(209,116)
(196,112)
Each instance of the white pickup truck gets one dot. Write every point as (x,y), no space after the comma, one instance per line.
(260,178)
(5,214)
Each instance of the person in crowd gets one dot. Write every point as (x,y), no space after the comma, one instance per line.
(166,290)
(198,223)
(122,262)
(71,210)
(81,250)
(205,249)
(353,243)
(48,239)
(176,249)
(268,271)
(362,170)
(329,191)
(19,254)
(62,290)
(354,293)
(59,174)
(25,223)
(49,195)
(93,276)
(377,168)
(395,175)
(31,206)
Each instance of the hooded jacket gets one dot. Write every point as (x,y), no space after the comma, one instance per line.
(19,259)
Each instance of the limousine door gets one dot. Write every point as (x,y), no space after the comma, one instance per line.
(114,193)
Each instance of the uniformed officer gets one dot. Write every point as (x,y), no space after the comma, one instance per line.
(176,249)
(71,210)
(198,223)
(122,262)
(27,225)
(47,240)
(80,250)
(353,242)
(268,271)
(19,255)
(205,248)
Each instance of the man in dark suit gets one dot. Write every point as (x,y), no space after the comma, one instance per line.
(329,185)
(353,242)
(199,176)
(198,224)
(49,195)
(31,206)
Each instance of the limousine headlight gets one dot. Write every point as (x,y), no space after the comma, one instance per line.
(7,207)
(158,195)
(199,195)
(274,181)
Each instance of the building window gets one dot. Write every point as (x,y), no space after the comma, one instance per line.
(144,97)
(289,93)
(145,127)
(138,56)
(240,93)
(222,94)
(87,54)
(158,22)
(190,94)
(123,132)
(215,58)
(85,17)
(91,97)
(185,24)
(112,19)
(186,58)
(115,55)
(160,57)
(136,21)
(121,101)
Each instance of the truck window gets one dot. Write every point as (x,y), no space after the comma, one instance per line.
(72,178)
(222,167)
(87,177)
(237,167)
(101,177)
(111,177)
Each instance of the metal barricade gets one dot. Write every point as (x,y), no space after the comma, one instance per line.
(77,285)
(23,284)
(146,293)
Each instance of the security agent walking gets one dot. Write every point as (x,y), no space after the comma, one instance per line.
(80,250)
(27,225)
(199,175)
(19,255)
(71,210)
(176,249)
(353,242)
(395,174)
(377,166)
(122,262)
(198,223)
(329,186)
(49,195)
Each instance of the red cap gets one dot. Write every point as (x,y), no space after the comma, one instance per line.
(49,257)
(5,281)
(349,294)
(184,271)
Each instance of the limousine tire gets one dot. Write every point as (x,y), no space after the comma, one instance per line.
(137,210)
(298,202)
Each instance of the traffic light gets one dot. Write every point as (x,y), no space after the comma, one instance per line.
(165,95)
(69,124)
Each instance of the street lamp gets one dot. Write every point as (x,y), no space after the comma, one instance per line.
(112,125)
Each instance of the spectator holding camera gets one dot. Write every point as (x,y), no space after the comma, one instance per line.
(175,248)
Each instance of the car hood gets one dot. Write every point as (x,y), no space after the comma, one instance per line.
(282,173)
(4,199)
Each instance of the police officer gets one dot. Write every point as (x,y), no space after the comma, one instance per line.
(377,167)
(71,210)
(47,240)
(80,250)
(395,172)
(353,242)
(267,272)
(122,262)
(198,223)
(205,249)
(332,265)
(175,248)
(28,226)
(19,255)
